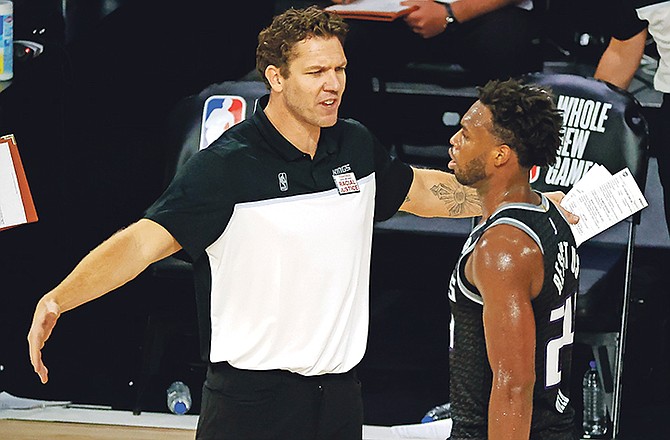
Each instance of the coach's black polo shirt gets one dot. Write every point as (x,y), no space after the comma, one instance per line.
(283,242)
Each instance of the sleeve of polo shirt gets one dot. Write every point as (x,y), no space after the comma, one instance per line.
(625,21)
(195,208)
(393,179)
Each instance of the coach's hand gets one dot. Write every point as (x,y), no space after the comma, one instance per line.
(44,321)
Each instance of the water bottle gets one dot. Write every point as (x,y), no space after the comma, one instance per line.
(595,413)
(178,398)
(6,40)
(438,413)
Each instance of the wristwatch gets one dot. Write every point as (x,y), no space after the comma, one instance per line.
(450,20)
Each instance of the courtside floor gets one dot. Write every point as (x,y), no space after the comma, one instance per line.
(81,423)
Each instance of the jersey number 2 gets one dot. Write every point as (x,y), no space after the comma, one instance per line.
(553,369)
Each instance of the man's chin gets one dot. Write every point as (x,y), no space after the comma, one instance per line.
(464,180)
(329,122)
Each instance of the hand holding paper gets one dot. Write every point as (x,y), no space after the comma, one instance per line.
(601,200)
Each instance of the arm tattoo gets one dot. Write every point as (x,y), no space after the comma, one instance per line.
(460,200)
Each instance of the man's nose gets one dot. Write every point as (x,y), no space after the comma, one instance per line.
(453,139)
(333,81)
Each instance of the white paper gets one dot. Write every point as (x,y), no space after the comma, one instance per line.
(602,200)
(597,175)
(439,429)
(69,414)
(370,5)
(8,401)
(11,206)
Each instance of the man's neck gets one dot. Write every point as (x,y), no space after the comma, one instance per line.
(493,196)
(302,136)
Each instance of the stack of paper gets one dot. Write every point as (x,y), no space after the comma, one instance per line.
(380,10)
(8,401)
(437,430)
(601,200)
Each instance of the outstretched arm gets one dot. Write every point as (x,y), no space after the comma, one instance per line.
(110,265)
(436,193)
(507,268)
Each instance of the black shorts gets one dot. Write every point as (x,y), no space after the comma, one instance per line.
(256,405)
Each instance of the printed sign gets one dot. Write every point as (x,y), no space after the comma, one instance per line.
(345,180)
(582,119)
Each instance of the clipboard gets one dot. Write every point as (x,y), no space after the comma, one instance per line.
(377,10)
(16,201)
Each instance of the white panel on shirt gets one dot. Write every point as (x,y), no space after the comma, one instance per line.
(290,283)
(658,16)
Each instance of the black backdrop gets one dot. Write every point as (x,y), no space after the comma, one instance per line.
(87,117)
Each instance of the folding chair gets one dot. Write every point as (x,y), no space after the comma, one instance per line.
(602,125)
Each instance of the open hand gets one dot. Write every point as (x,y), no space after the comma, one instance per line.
(44,321)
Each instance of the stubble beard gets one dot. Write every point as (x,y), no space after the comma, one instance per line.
(473,172)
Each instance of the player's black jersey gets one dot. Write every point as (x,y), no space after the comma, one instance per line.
(554,308)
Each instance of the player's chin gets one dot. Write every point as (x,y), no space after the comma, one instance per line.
(328,121)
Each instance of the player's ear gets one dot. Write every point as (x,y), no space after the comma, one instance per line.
(274,77)
(502,154)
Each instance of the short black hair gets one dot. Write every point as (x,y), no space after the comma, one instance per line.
(525,117)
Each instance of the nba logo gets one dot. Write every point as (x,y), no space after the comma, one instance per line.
(283,181)
(220,112)
(534,174)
